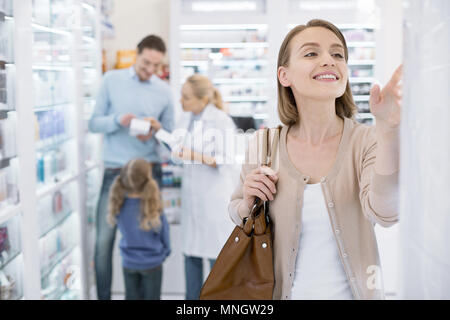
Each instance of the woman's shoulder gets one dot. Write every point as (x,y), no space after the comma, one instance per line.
(361,136)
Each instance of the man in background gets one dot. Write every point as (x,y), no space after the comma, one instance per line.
(126,94)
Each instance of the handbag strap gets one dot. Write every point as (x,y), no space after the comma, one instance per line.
(268,148)
(268,152)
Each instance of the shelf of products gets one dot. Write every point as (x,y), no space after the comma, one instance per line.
(55,138)
(237,65)
(10,260)
(9,194)
(171,192)
(361,66)
(50,249)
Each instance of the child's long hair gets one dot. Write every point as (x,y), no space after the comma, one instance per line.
(136,177)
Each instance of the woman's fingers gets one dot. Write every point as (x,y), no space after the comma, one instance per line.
(261,187)
(266,171)
(258,193)
(261,183)
(268,182)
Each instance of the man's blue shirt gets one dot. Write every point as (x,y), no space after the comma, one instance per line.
(122,92)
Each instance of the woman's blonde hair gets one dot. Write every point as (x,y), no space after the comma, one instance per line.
(287,107)
(136,177)
(202,87)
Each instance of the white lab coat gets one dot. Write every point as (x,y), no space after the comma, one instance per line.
(206,191)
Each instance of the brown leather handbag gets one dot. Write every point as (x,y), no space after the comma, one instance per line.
(244,268)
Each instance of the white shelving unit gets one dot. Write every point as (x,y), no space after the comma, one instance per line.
(57,63)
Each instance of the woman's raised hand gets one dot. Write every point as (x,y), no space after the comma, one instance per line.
(385,104)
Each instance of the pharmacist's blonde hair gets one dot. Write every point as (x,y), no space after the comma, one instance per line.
(202,87)
(136,177)
(287,107)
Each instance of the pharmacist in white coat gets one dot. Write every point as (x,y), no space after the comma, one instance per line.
(208,178)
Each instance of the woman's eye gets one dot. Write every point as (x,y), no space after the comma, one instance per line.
(339,55)
(310,54)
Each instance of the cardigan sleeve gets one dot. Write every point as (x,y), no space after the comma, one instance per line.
(378,193)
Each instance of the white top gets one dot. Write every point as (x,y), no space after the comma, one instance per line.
(319,273)
(205,191)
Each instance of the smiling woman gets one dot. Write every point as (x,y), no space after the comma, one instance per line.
(336,177)
(307,52)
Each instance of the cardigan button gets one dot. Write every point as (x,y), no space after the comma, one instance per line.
(236,239)
(330,204)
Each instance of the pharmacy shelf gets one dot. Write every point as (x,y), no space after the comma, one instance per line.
(56,261)
(346,26)
(41,28)
(224,45)
(52,106)
(361,62)
(245,99)
(51,188)
(361,80)
(208,27)
(58,223)
(224,62)
(364,115)
(4,162)
(239,80)
(91,165)
(10,259)
(31,192)
(53,67)
(361,44)
(8,212)
(361,98)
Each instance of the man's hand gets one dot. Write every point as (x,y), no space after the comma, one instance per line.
(156,125)
(125,119)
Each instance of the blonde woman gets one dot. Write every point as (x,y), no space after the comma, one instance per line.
(135,206)
(207,181)
(336,177)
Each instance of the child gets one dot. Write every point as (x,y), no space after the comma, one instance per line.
(135,205)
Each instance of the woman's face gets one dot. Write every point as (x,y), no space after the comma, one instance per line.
(317,67)
(189,101)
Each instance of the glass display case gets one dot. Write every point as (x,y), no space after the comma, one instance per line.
(40,205)
(53,79)
(10,260)
(57,255)
(11,287)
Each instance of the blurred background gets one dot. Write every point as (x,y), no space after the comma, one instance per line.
(53,54)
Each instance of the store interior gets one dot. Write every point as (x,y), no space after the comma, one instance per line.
(53,54)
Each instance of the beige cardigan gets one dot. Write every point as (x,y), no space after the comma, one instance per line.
(356,198)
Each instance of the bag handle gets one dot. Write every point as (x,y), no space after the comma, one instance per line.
(269,151)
